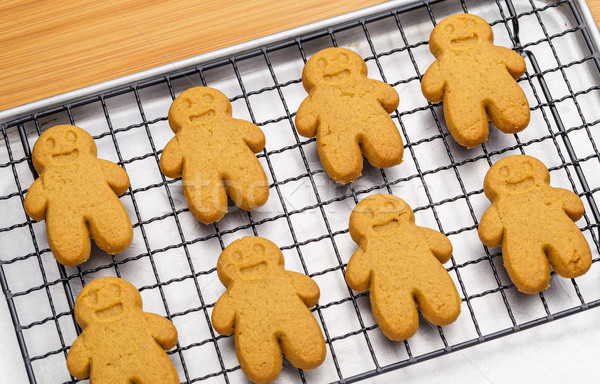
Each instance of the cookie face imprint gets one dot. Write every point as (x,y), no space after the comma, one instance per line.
(63,150)
(334,67)
(460,32)
(198,107)
(76,194)
(120,343)
(517,174)
(534,224)
(349,115)
(62,145)
(475,79)
(103,304)
(400,264)
(266,308)
(252,263)
(214,154)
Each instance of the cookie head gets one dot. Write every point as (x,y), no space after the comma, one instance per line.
(197,107)
(62,145)
(106,299)
(515,175)
(249,258)
(379,214)
(459,32)
(332,66)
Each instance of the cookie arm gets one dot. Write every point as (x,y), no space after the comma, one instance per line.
(439,244)
(514,62)
(386,95)
(571,203)
(163,331)
(307,119)
(116,176)
(491,228)
(35,200)
(223,315)
(253,135)
(358,271)
(171,159)
(306,288)
(79,359)
(433,83)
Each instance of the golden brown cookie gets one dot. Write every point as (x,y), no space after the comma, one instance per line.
(120,343)
(214,155)
(534,223)
(77,195)
(401,264)
(349,114)
(475,78)
(266,308)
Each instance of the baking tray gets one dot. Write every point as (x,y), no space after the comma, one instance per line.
(172,258)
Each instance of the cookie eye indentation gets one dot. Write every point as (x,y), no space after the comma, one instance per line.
(237,257)
(322,63)
(50,144)
(504,172)
(449,29)
(93,297)
(71,136)
(527,166)
(115,289)
(186,104)
(343,58)
(207,98)
(370,213)
(259,248)
(390,207)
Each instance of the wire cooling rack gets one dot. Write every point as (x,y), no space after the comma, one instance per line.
(173,257)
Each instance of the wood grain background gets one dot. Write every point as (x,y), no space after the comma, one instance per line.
(48,47)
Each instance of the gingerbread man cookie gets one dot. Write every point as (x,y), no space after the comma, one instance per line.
(349,114)
(475,78)
(401,264)
(77,195)
(266,308)
(214,154)
(120,343)
(534,223)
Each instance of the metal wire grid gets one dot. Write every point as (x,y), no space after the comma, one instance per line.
(355,351)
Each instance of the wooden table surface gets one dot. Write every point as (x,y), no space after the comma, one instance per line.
(50,47)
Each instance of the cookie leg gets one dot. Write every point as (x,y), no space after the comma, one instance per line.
(509,111)
(259,356)
(341,157)
(467,121)
(205,193)
(68,237)
(526,263)
(438,298)
(303,344)
(155,371)
(395,312)
(110,227)
(382,143)
(246,182)
(570,254)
